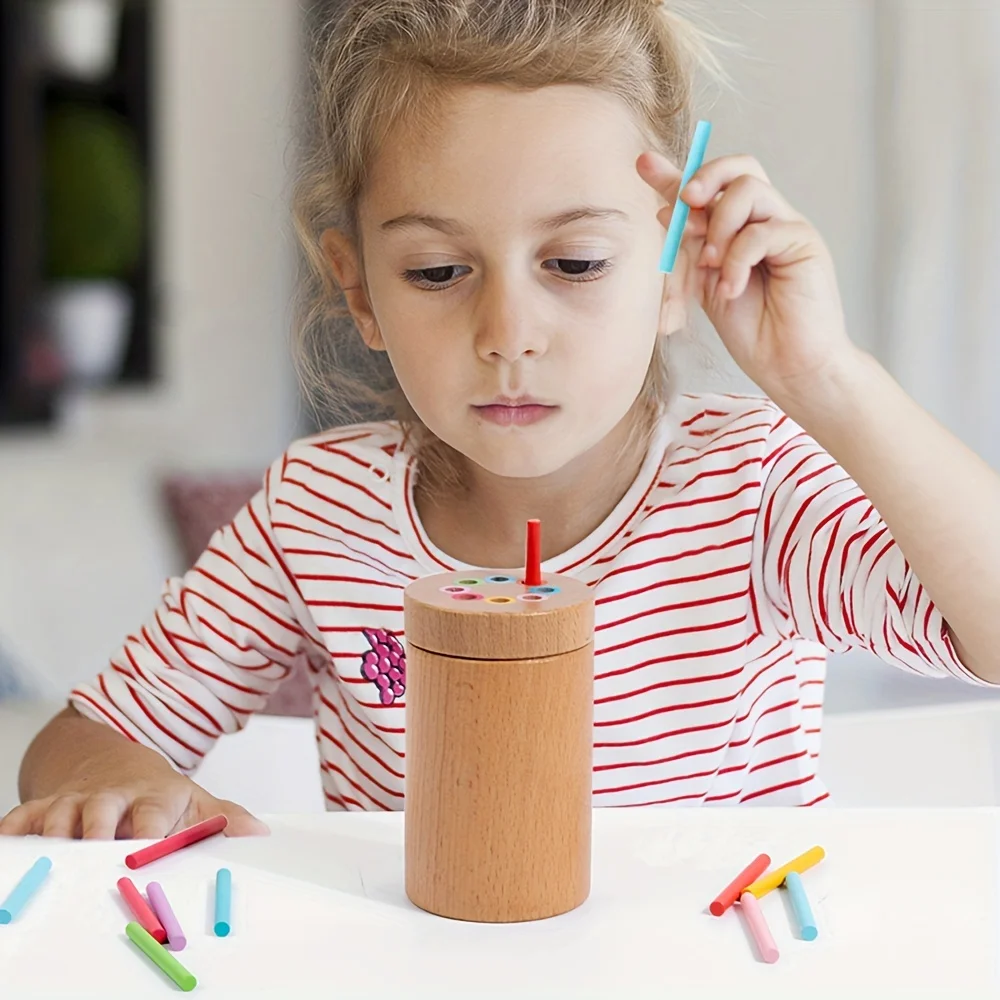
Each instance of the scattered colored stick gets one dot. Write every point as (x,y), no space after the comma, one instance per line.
(732,892)
(800,906)
(679,216)
(533,554)
(141,909)
(177,841)
(758,927)
(24,890)
(773,879)
(161,908)
(158,954)
(223,899)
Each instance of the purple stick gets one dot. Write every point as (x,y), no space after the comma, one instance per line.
(158,901)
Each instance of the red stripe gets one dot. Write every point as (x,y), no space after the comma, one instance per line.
(375,564)
(293,628)
(83,696)
(686,529)
(340,746)
(341,529)
(180,694)
(777,788)
(675,581)
(339,504)
(777,760)
(273,548)
(232,620)
(163,729)
(330,767)
(703,602)
(172,639)
(687,630)
(371,753)
(325,578)
(352,483)
(415,524)
(675,556)
(246,548)
(699,455)
(151,685)
(276,594)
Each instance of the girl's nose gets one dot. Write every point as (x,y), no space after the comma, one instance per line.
(508,327)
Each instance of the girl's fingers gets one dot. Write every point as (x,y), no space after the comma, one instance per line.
(24,820)
(101,816)
(746,201)
(781,243)
(716,175)
(154,817)
(63,817)
(241,822)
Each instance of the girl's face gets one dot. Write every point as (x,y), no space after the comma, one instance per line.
(512,257)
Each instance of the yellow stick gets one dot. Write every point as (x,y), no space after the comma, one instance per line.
(771,880)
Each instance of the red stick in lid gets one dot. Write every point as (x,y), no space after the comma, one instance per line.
(533,555)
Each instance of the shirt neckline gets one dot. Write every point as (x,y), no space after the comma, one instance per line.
(625,513)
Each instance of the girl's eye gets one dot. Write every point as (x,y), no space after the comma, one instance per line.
(433,277)
(436,278)
(588,270)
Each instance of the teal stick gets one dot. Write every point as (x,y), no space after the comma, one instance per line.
(679,216)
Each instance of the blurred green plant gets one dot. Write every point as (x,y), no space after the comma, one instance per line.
(93,192)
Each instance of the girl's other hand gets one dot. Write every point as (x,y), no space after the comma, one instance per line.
(759,270)
(140,809)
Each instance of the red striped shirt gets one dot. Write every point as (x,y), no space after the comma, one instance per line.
(740,554)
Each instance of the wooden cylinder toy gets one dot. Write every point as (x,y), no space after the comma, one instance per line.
(499,744)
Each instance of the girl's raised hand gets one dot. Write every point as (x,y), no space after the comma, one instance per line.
(759,270)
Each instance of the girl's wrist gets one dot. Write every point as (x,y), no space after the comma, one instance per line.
(833,395)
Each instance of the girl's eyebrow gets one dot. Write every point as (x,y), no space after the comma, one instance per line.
(452,227)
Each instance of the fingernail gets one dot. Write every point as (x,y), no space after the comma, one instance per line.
(692,189)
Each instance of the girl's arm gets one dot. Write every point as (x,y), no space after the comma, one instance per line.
(940,501)
(767,282)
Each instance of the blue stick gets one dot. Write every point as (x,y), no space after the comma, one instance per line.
(800,904)
(223,898)
(679,216)
(24,890)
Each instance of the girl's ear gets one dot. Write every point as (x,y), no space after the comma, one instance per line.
(343,261)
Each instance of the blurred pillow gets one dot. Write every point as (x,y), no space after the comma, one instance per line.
(197,507)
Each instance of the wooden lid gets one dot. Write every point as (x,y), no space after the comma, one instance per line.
(489,615)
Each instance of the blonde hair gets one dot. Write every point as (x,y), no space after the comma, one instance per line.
(380,61)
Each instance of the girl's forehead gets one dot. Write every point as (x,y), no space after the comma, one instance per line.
(500,144)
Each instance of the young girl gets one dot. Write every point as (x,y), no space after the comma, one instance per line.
(489,193)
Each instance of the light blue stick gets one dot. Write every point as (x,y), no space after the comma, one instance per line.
(679,216)
(800,904)
(223,898)
(24,890)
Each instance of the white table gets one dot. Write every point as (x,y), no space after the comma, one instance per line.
(906,904)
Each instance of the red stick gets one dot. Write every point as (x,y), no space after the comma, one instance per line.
(731,893)
(142,910)
(183,838)
(533,555)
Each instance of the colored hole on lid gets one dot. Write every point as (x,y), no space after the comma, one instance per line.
(453,590)
(531,597)
(543,590)
(468,583)
(467,595)
(499,579)
(500,600)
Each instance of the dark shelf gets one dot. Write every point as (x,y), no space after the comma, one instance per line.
(28,91)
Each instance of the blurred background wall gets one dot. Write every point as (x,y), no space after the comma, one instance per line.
(84,540)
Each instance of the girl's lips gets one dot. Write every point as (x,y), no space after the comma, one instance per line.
(529,413)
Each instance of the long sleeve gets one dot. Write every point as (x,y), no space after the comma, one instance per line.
(827,568)
(222,638)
